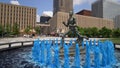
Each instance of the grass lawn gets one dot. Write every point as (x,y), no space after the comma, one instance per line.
(114,40)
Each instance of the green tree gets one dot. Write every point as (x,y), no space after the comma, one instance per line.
(27,30)
(1,30)
(81,30)
(94,32)
(105,32)
(116,33)
(37,29)
(15,29)
(88,32)
(7,29)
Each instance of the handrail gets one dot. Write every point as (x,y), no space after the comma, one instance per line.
(11,43)
(117,46)
(14,42)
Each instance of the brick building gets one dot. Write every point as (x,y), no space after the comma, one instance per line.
(57,26)
(85,12)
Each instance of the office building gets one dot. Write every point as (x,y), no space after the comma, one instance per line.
(22,15)
(105,9)
(117,21)
(62,6)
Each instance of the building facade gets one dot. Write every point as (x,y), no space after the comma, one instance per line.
(105,9)
(44,19)
(22,15)
(62,6)
(57,26)
(44,28)
(117,21)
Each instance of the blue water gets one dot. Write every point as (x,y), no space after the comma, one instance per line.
(46,54)
(25,59)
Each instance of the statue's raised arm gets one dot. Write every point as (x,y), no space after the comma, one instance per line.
(71,20)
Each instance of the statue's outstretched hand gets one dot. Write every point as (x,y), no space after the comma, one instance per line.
(65,24)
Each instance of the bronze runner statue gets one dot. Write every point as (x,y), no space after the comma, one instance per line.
(71,24)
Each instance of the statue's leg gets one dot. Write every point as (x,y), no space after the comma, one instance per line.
(64,36)
(80,39)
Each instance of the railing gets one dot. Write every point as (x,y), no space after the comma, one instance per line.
(117,46)
(11,45)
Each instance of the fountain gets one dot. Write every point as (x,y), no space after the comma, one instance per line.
(36,50)
(49,56)
(87,58)
(66,56)
(103,53)
(56,55)
(77,57)
(97,57)
(46,52)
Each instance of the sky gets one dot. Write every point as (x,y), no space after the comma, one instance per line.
(46,6)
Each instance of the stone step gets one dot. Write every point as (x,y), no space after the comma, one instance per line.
(71,54)
(71,51)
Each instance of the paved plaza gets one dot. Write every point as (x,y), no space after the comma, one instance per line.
(7,40)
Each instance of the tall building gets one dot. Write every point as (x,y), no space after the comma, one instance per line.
(22,15)
(117,21)
(105,9)
(62,6)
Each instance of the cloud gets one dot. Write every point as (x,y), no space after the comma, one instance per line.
(47,13)
(114,0)
(37,18)
(78,2)
(14,2)
(91,1)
